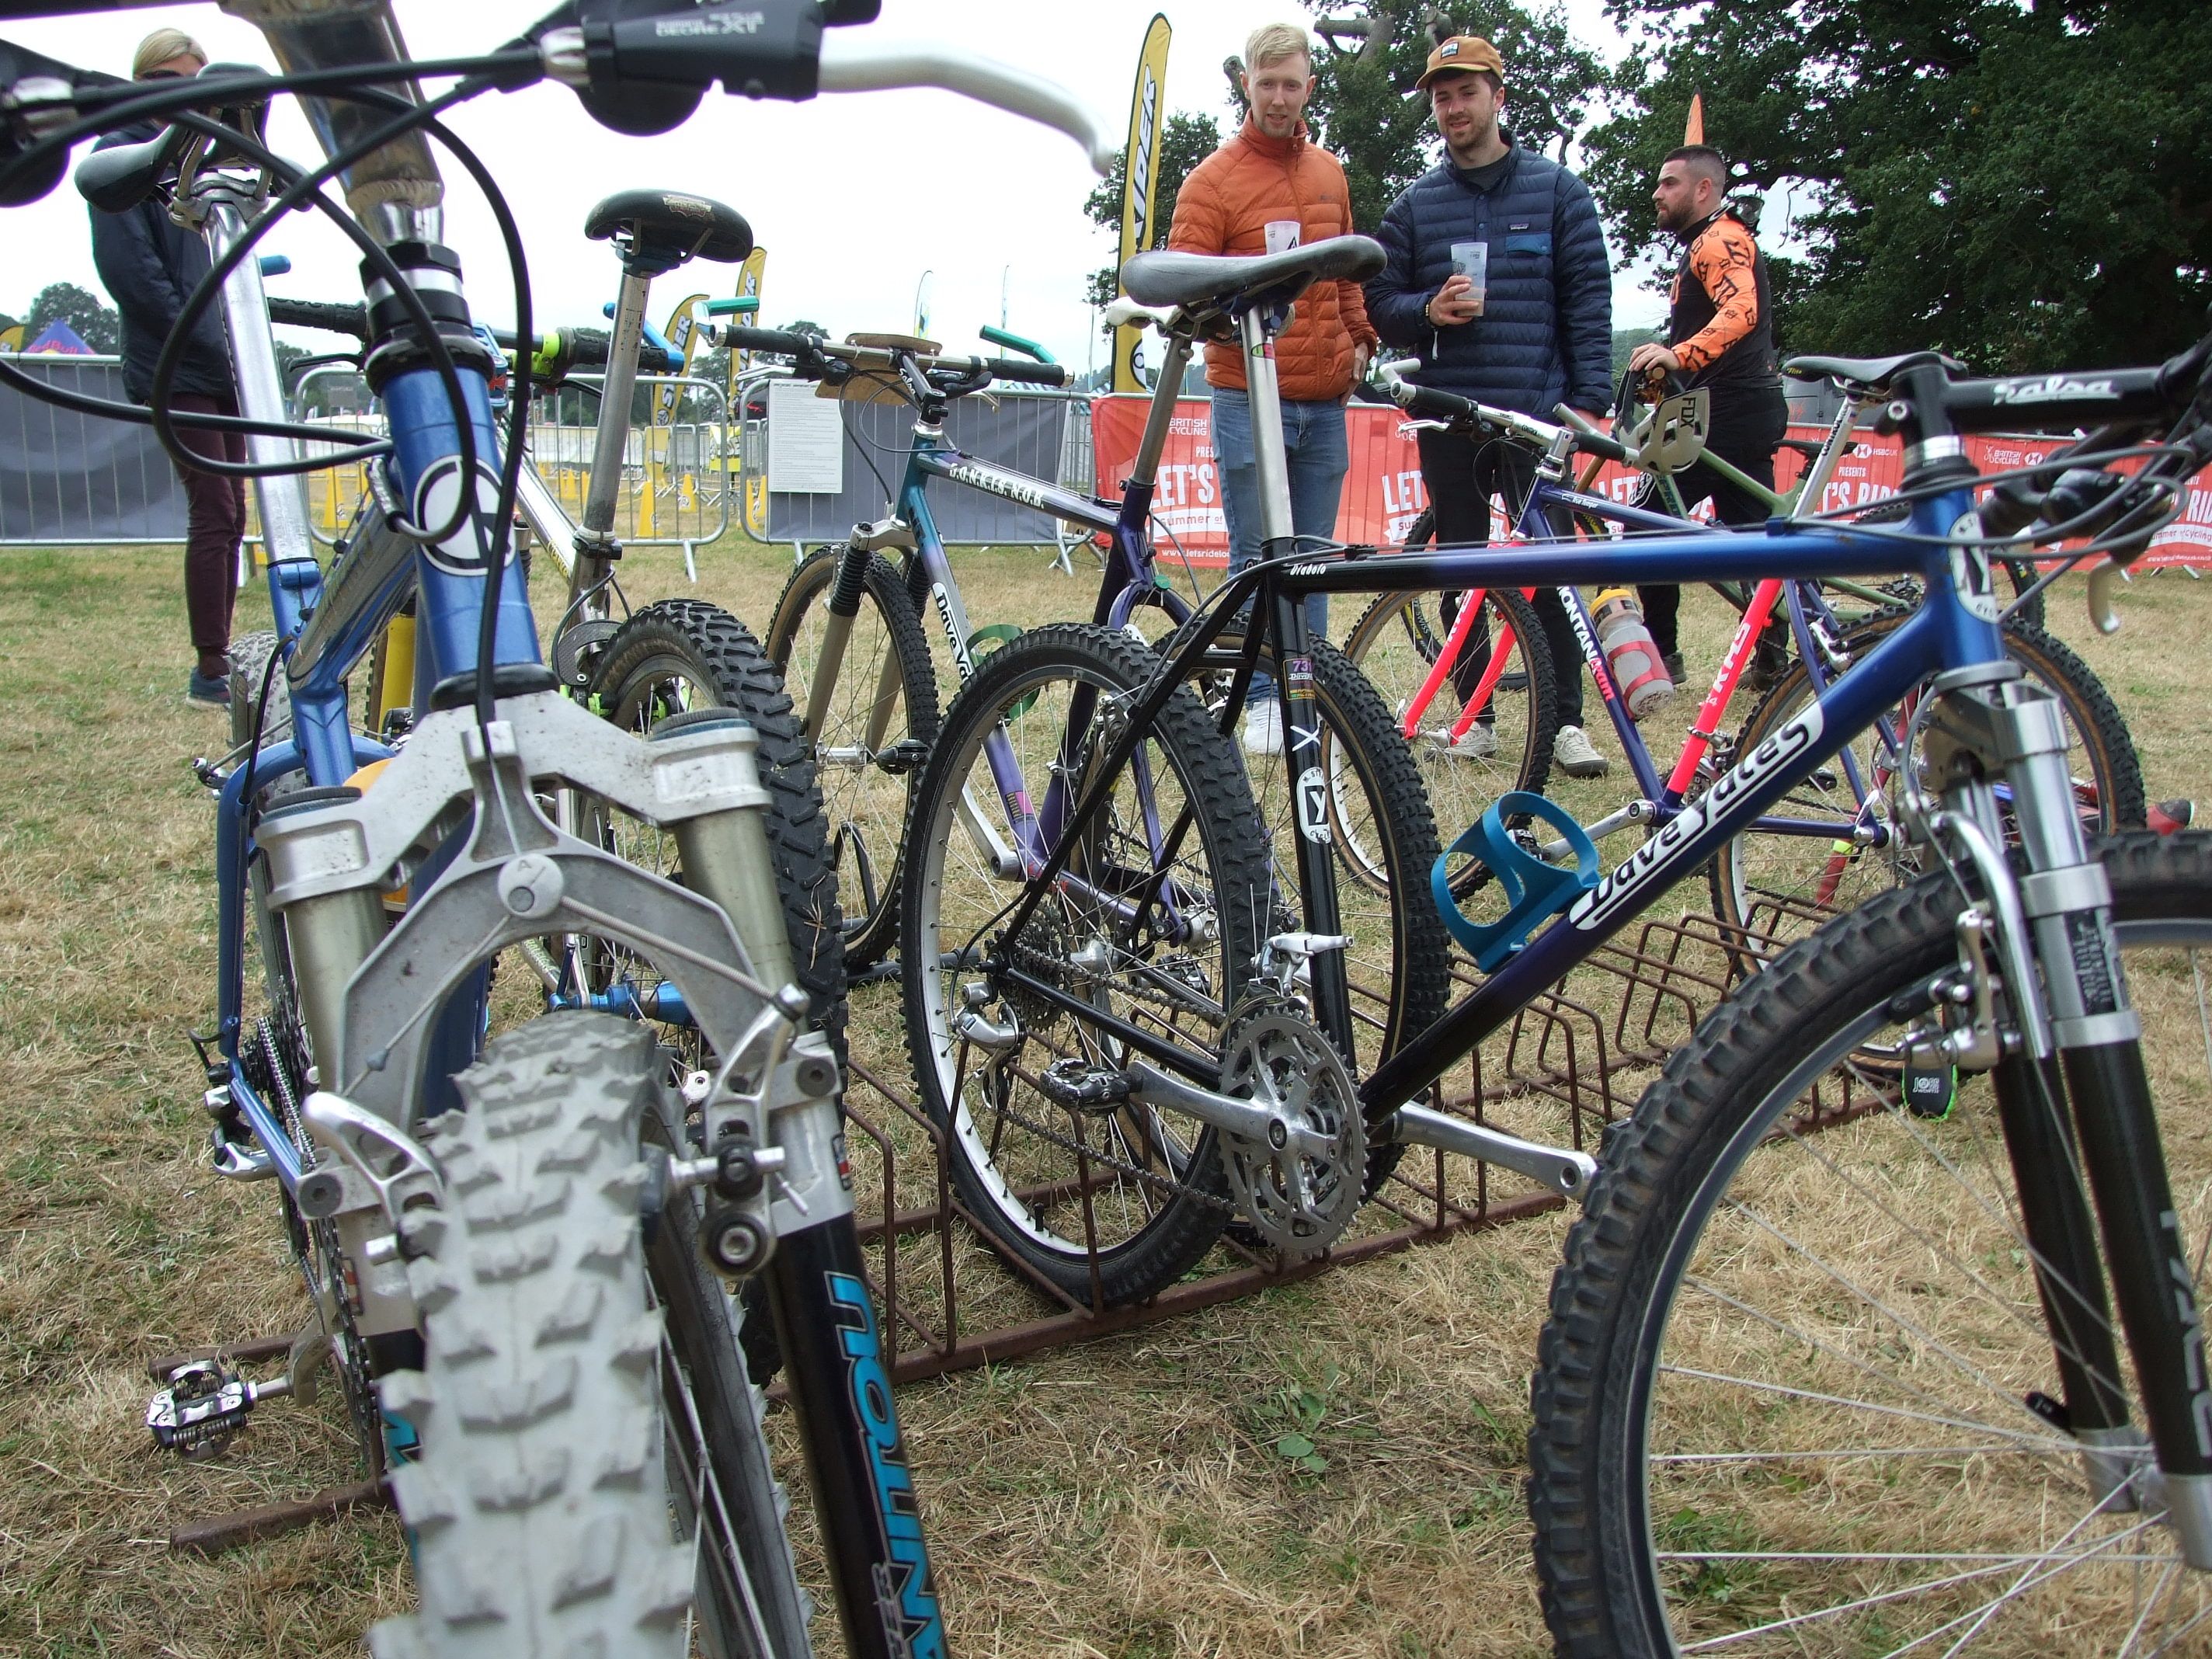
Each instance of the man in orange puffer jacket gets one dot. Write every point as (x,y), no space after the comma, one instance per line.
(1266,190)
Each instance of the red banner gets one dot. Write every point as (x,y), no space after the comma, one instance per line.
(1382,492)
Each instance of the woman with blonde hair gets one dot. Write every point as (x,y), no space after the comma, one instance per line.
(149,265)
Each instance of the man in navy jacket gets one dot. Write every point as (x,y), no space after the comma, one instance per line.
(1537,334)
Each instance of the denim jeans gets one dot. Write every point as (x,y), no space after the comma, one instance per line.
(1313,435)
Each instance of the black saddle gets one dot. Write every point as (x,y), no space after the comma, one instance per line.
(1200,282)
(117,178)
(660,229)
(1874,373)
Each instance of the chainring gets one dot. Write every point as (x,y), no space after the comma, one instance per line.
(1297,1200)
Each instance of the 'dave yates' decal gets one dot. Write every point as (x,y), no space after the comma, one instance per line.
(1654,862)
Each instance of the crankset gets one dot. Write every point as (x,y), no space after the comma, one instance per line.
(1299,1189)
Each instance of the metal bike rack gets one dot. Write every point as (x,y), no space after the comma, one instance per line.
(1568,1064)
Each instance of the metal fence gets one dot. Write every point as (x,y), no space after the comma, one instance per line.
(679,480)
(69,479)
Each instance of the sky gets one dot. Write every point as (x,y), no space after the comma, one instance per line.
(856,197)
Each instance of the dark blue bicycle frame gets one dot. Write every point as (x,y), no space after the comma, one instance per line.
(1956,627)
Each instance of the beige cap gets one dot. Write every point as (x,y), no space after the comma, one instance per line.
(1462,54)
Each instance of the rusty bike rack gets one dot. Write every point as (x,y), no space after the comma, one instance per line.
(1569,1063)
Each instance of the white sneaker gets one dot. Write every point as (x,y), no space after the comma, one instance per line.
(1479,742)
(1263,728)
(1577,758)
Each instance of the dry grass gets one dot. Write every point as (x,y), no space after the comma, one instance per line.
(1124,1498)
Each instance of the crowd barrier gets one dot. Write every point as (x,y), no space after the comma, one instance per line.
(1383,494)
(70,480)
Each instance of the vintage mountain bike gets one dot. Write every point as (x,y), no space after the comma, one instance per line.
(524,1297)
(1689,1480)
(1835,839)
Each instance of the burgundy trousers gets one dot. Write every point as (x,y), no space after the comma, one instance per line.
(215,526)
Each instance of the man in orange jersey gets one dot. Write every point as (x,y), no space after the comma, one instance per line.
(1720,335)
(1267,189)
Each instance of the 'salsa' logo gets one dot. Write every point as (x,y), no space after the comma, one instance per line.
(712,23)
(2049,389)
(907,1598)
(1656,859)
(992,482)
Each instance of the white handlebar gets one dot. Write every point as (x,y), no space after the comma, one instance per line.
(856,65)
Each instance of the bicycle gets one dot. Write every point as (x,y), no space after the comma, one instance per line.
(856,656)
(1972,969)
(552,1257)
(1761,886)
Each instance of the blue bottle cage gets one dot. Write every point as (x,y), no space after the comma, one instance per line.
(1534,890)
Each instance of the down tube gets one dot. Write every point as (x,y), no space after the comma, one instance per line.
(1784,760)
(841,1391)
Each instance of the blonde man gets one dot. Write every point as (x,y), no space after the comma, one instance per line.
(149,265)
(1268,188)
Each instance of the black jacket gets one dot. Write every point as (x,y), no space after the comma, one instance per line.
(149,265)
(1545,331)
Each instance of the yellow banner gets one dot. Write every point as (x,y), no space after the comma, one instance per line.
(12,339)
(684,333)
(748,287)
(1140,182)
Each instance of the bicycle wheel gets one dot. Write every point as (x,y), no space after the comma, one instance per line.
(1379,822)
(1794,1393)
(1778,887)
(881,718)
(539,1503)
(1396,643)
(683,654)
(1053,1182)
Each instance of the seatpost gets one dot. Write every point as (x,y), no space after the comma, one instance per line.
(613,433)
(1165,394)
(1266,398)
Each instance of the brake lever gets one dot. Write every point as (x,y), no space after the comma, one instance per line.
(2102,615)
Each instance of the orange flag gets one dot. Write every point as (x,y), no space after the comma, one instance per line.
(1693,129)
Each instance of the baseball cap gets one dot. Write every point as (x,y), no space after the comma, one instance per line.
(1462,54)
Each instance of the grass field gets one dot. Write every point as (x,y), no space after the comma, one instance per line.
(1124,1498)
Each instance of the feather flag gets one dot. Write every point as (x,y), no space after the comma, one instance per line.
(1693,129)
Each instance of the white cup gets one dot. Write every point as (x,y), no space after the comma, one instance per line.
(1282,235)
(1471,261)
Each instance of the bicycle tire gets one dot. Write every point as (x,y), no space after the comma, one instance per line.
(748,1600)
(1461,785)
(680,655)
(867,803)
(1743,893)
(1166,1189)
(1626,1451)
(538,1505)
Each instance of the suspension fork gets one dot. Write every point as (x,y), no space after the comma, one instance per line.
(2096,1035)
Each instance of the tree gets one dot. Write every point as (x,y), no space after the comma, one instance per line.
(1185,141)
(1365,110)
(2022,186)
(97,324)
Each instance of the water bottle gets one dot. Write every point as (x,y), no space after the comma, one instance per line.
(1630,652)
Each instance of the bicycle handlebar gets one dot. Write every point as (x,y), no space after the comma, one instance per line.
(854,65)
(331,318)
(813,359)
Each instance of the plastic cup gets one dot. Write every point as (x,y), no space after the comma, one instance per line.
(1471,261)
(1282,235)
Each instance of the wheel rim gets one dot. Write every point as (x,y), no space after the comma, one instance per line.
(1836,1449)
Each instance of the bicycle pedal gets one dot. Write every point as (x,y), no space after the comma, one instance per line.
(1082,1088)
(902,757)
(204,1408)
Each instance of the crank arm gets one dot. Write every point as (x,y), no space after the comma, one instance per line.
(1565,1172)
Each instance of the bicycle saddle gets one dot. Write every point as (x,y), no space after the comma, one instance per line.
(117,178)
(1217,280)
(1874,373)
(664,227)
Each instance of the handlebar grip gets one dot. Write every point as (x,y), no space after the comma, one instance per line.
(585,347)
(1432,404)
(331,318)
(1026,374)
(1589,439)
(780,342)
